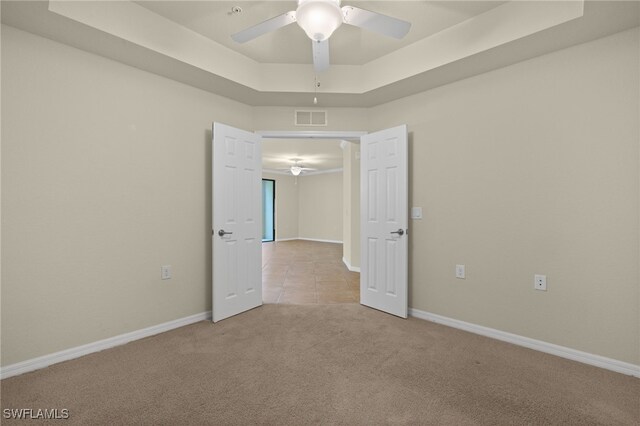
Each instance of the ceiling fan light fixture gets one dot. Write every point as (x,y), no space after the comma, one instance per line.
(319,18)
(295,170)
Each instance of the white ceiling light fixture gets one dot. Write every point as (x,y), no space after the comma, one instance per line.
(319,19)
(296,170)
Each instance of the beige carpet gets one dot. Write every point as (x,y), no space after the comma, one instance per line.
(325,364)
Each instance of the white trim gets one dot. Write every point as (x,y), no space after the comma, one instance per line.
(284,239)
(538,345)
(321,172)
(310,134)
(320,241)
(349,267)
(67,354)
(303,174)
(277,172)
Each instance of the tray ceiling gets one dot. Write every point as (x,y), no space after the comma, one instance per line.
(449,40)
(348,45)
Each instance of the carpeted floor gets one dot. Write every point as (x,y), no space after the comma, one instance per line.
(325,364)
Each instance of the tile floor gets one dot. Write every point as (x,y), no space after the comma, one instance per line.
(307,272)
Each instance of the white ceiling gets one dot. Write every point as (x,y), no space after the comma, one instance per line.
(289,45)
(319,154)
(188,41)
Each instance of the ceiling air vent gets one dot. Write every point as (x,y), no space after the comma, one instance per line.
(311,118)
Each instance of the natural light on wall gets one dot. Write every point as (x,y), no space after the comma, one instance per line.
(268,198)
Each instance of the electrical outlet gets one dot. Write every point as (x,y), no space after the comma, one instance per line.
(165,272)
(540,282)
(460,271)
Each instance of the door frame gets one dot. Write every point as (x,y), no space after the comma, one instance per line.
(349,135)
(311,134)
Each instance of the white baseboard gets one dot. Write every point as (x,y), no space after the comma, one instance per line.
(320,241)
(550,348)
(100,345)
(538,345)
(349,267)
(309,239)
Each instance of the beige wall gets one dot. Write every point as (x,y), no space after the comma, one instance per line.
(355,205)
(346,203)
(286,206)
(105,177)
(320,206)
(351,204)
(306,207)
(529,169)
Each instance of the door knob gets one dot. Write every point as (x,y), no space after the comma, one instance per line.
(222,233)
(399,232)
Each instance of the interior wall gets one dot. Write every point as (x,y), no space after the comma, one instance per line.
(286,206)
(354,156)
(531,169)
(346,203)
(320,207)
(106,176)
(351,205)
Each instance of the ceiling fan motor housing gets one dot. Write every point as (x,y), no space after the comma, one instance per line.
(319,18)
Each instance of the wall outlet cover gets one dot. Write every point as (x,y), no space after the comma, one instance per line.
(540,282)
(460,272)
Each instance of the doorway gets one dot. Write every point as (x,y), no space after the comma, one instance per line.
(237,218)
(305,264)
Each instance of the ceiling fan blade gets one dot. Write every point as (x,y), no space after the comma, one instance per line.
(265,27)
(375,22)
(320,55)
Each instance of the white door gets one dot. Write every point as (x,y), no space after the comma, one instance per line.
(384,200)
(237,221)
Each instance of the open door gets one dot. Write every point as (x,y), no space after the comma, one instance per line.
(383,221)
(237,221)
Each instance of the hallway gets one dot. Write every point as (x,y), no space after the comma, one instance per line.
(307,272)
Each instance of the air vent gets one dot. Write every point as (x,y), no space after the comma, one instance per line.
(311,118)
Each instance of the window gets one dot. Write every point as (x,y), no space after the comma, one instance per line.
(268,210)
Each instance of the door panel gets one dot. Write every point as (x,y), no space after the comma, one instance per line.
(237,255)
(384,192)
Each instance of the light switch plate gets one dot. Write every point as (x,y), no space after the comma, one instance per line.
(416,212)
(165,272)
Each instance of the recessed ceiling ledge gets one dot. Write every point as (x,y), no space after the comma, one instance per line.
(132,22)
(503,24)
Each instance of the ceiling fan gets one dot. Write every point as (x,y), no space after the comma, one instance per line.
(296,169)
(319,19)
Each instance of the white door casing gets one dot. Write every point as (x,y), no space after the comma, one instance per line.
(383,221)
(236,209)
